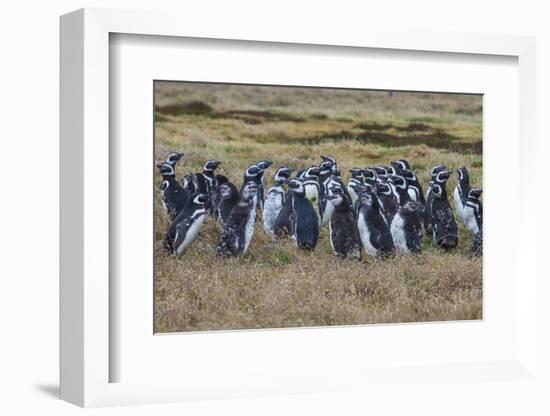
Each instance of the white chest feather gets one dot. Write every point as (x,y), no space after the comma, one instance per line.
(469,219)
(192,232)
(458,204)
(365,235)
(249,228)
(272,207)
(398,234)
(327,214)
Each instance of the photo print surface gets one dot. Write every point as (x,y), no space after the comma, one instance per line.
(280,207)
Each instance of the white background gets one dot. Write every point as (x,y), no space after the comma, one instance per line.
(29,207)
(137,61)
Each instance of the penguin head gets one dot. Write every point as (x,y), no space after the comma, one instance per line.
(401,164)
(326,167)
(249,190)
(442,176)
(391,170)
(166,169)
(474,194)
(383,188)
(199,199)
(381,173)
(463,175)
(252,171)
(357,186)
(367,195)
(369,174)
(187,181)
(409,175)
(328,159)
(264,164)
(227,190)
(297,186)
(211,165)
(356,172)
(336,197)
(312,172)
(435,170)
(398,181)
(173,158)
(221,179)
(282,174)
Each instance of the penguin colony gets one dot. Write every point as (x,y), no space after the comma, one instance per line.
(382,210)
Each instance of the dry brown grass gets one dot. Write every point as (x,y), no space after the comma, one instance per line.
(275,285)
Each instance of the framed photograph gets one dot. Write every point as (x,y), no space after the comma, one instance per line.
(268,214)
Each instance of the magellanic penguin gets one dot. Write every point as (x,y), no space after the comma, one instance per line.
(237,231)
(355,180)
(369,177)
(413,184)
(372,225)
(343,232)
(387,200)
(400,189)
(443,224)
(185,227)
(274,199)
(311,186)
(426,213)
(405,229)
(461,191)
(306,223)
(229,197)
(172,195)
(263,165)
(173,158)
(215,194)
(325,173)
(284,223)
(472,212)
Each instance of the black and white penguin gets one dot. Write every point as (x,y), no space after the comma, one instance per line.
(305,222)
(372,225)
(185,227)
(387,200)
(426,213)
(355,180)
(413,184)
(208,174)
(401,164)
(472,213)
(312,188)
(443,224)
(215,195)
(405,229)
(251,174)
(381,174)
(461,191)
(172,195)
(229,197)
(173,158)
(263,165)
(275,199)
(343,232)
(369,177)
(400,189)
(238,229)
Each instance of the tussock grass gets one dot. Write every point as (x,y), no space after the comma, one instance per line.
(275,285)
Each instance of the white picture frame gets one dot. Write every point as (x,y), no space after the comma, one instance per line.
(86,357)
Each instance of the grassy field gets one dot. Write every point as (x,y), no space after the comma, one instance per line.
(275,285)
